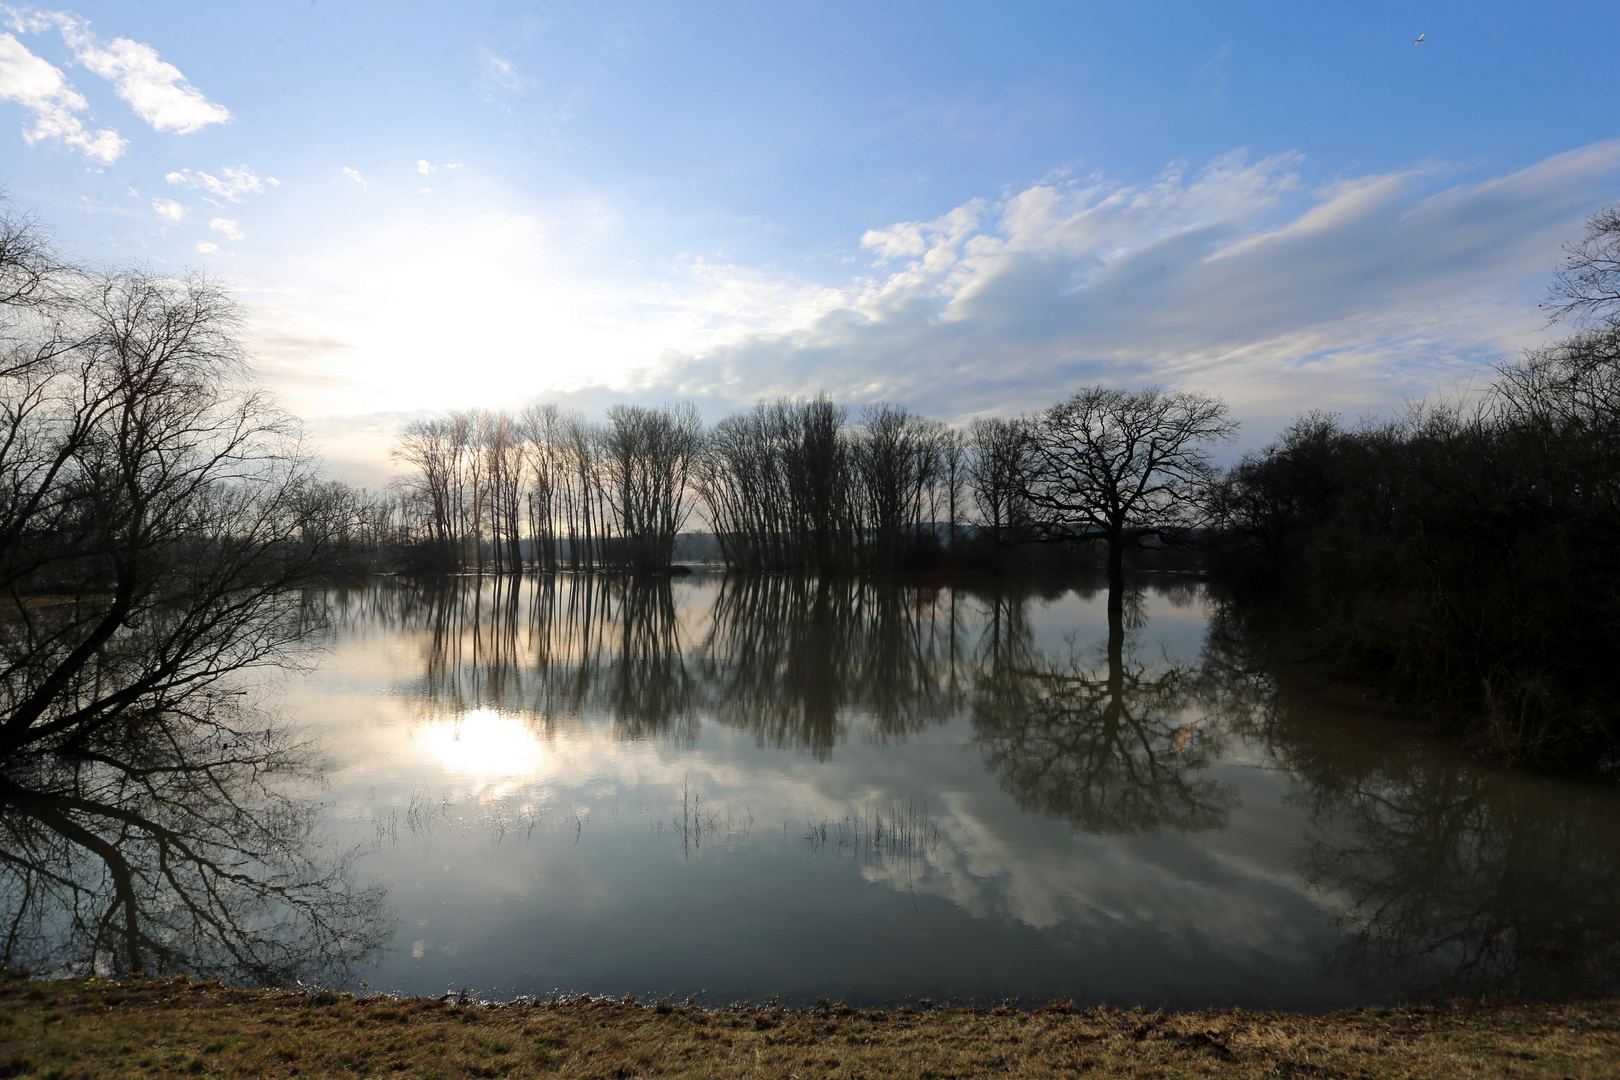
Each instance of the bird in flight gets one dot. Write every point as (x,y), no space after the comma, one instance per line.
(1420,38)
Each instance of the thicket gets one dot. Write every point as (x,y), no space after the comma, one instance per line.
(1470,549)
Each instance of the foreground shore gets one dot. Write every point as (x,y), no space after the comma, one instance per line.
(167,1027)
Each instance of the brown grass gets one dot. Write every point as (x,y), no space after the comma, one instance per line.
(96,1028)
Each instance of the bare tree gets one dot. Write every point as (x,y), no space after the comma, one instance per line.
(1119,467)
(996,465)
(649,457)
(155,511)
(1586,289)
(30,270)
(954,455)
(428,446)
(895,460)
(539,428)
(776,486)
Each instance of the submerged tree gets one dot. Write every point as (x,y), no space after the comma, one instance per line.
(648,456)
(1120,467)
(157,520)
(995,473)
(155,509)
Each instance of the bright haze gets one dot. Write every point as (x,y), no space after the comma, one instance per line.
(961,208)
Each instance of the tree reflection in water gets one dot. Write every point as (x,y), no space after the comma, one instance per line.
(789,659)
(1452,878)
(1105,741)
(1449,877)
(178,847)
(1461,883)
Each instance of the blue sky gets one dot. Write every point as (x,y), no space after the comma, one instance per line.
(963,208)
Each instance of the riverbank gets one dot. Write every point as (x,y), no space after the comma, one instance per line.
(166,1027)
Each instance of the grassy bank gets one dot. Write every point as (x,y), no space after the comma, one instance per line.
(95,1028)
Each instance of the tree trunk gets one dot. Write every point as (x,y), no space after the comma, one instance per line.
(1116,573)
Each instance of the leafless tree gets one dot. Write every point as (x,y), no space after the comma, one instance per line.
(155,510)
(777,488)
(897,461)
(648,457)
(31,272)
(996,465)
(539,428)
(1586,289)
(954,451)
(1118,467)
(430,449)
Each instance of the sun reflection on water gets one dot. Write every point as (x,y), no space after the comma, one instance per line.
(486,743)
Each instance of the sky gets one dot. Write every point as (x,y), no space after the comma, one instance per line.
(967,209)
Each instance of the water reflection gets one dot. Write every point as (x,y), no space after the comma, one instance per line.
(179,846)
(1128,805)
(1449,878)
(1097,736)
(1459,881)
(790,659)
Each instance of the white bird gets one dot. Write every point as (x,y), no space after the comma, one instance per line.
(1420,38)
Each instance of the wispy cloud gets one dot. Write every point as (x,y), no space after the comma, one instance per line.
(503,73)
(208,247)
(232,184)
(424,167)
(40,87)
(227,227)
(354,174)
(1237,277)
(154,88)
(169,210)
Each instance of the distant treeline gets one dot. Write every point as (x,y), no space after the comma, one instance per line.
(797,485)
(788,485)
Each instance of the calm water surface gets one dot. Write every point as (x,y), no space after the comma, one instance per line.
(756,787)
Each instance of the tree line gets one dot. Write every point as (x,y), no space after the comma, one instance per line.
(798,484)
(1469,549)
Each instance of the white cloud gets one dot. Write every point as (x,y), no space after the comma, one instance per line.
(424,167)
(169,210)
(503,73)
(226,226)
(1238,278)
(207,247)
(427,191)
(354,175)
(153,87)
(40,87)
(234,184)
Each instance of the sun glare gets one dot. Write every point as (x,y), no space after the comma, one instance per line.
(484,743)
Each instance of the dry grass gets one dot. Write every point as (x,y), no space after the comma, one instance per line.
(95,1028)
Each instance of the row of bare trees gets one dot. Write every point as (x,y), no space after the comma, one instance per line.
(794,485)
(582,495)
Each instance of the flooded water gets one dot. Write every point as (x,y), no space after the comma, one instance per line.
(755,788)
